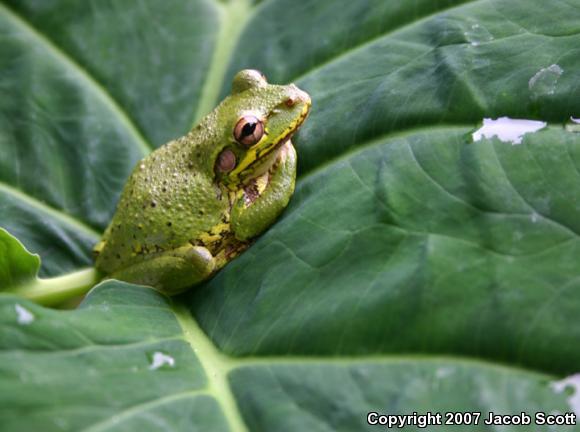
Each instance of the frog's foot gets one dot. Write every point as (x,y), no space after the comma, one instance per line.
(172,271)
(98,248)
(265,197)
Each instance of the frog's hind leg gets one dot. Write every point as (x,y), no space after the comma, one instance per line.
(172,271)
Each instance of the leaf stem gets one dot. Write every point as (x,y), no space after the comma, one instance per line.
(52,291)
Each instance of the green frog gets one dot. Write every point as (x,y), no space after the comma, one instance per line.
(197,202)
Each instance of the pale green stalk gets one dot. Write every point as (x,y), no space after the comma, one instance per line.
(53,291)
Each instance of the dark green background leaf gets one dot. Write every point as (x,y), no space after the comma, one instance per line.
(414,270)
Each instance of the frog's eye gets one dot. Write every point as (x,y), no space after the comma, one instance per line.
(226,161)
(248,131)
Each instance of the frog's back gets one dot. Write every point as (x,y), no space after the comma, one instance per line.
(166,203)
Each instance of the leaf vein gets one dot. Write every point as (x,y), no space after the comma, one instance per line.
(83,74)
(54,212)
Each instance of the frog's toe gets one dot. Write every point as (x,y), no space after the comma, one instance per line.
(98,248)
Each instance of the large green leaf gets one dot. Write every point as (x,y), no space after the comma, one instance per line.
(124,361)
(415,269)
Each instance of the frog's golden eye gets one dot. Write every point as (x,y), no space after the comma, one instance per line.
(226,161)
(248,131)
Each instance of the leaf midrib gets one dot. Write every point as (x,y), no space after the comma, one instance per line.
(214,364)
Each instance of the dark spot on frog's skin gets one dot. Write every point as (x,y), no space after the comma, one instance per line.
(134,237)
(198,155)
(164,189)
(169,224)
(190,165)
(153,204)
(201,212)
(118,256)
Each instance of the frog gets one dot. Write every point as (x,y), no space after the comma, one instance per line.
(196,203)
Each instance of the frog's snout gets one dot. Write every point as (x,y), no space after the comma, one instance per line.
(298,96)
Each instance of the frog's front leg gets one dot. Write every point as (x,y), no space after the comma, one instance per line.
(254,212)
(171,271)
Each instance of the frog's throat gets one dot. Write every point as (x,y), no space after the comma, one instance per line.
(256,155)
